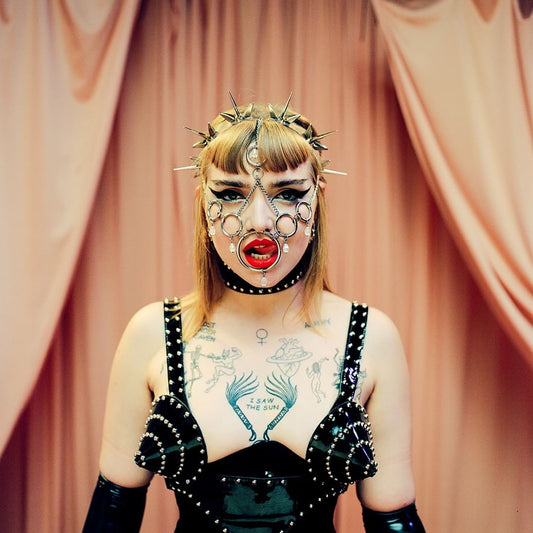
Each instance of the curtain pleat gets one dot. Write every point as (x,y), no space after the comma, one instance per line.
(61,66)
(471,122)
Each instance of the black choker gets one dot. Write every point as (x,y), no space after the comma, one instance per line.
(237,284)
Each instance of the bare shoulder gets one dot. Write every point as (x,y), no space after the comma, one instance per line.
(144,334)
(382,339)
(383,358)
(148,320)
(334,304)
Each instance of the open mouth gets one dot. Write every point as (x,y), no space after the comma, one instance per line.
(260,253)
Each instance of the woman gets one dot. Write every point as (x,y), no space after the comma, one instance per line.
(256,381)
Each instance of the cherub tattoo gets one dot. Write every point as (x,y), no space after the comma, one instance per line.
(224,365)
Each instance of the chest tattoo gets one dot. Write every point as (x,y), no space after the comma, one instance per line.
(261,335)
(289,356)
(237,389)
(249,396)
(276,386)
(338,365)
(207,332)
(314,373)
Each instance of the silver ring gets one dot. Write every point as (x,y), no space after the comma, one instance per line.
(245,264)
(299,214)
(294,220)
(257,173)
(211,203)
(224,218)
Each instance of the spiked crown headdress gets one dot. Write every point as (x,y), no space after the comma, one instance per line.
(285,117)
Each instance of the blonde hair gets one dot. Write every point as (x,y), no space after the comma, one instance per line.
(283,148)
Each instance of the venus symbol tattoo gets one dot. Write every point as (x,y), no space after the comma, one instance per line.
(261,335)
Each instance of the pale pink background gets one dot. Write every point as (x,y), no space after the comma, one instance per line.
(433,103)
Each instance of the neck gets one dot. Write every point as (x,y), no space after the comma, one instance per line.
(239,285)
(282,306)
(282,301)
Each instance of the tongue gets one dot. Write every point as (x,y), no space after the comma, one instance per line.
(263,249)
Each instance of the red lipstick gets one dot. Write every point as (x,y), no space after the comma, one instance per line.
(260,253)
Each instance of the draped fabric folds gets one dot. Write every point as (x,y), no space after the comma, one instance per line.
(463,73)
(94,97)
(61,66)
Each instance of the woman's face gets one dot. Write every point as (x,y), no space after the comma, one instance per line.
(260,223)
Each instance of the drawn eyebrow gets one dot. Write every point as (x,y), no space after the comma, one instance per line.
(289,182)
(231,183)
(274,185)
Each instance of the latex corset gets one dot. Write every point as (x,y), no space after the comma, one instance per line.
(265,488)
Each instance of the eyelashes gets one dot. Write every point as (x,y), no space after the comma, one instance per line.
(291,195)
(286,195)
(227,195)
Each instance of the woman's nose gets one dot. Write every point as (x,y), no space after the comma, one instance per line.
(259,213)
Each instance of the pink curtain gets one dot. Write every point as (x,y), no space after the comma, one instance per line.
(60,69)
(471,122)
(389,246)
